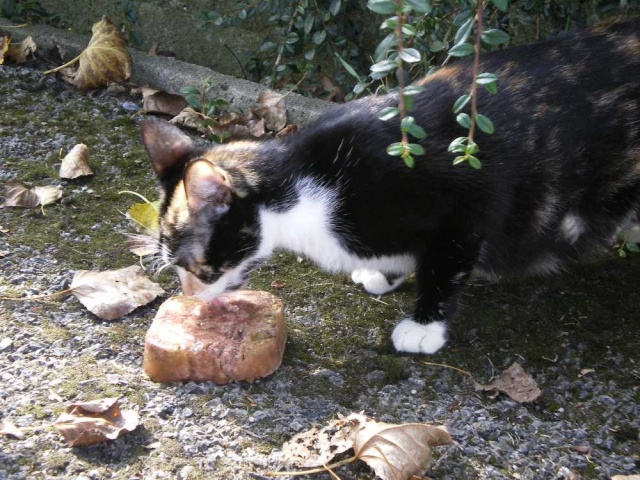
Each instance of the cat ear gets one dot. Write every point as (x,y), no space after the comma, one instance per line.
(207,186)
(166,145)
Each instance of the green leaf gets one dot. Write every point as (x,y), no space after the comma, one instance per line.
(501,4)
(417,131)
(408,160)
(461,50)
(395,149)
(415,149)
(474,162)
(388,113)
(464,31)
(384,46)
(461,103)
(459,160)
(485,124)
(492,88)
(189,91)
(383,7)
(406,123)
(384,66)
(348,67)
(419,6)
(485,78)
(410,55)
(319,36)
(308,23)
(633,247)
(409,30)
(309,54)
(472,149)
(334,8)
(267,46)
(413,90)
(458,145)
(464,120)
(291,38)
(408,102)
(495,36)
(389,24)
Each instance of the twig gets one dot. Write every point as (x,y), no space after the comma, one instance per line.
(459,370)
(399,69)
(476,64)
(244,72)
(322,469)
(68,64)
(38,297)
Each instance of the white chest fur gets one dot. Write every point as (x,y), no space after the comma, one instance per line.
(307,228)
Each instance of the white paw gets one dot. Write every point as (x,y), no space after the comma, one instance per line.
(374,281)
(414,337)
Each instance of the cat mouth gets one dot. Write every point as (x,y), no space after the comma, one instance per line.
(193,286)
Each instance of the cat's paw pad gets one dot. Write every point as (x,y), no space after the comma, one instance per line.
(413,337)
(374,281)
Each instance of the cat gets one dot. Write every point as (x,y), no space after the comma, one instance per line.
(559,177)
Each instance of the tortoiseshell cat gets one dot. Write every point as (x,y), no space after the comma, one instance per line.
(560,176)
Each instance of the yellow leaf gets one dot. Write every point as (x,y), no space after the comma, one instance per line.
(145,215)
(4,47)
(105,60)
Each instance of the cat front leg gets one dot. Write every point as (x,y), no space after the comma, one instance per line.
(440,278)
(375,282)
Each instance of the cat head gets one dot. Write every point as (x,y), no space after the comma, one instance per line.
(209,230)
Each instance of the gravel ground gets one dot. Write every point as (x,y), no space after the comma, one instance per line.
(576,334)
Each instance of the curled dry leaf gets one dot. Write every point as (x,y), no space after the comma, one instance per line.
(19,52)
(76,163)
(398,452)
(271,108)
(394,452)
(88,423)
(288,130)
(105,60)
(514,382)
(114,293)
(17,195)
(189,118)
(318,446)
(159,101)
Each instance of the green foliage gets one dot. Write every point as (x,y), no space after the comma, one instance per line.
(197,98)
(130,17)
(299,33)
(21,11)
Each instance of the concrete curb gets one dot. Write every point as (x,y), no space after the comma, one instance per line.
(170,74)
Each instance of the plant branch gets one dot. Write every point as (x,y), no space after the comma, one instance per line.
(399,70)
(476,66)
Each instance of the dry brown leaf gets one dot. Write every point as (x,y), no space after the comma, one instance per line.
(288,130)
(271,108)
(626,477)
(5,41)
(76,163)
(114,293)
(189,118)
(105,60)
(318,446)
(17,195)
(88,423)
(19,52)
(278,284)
(514,382)
(398,452)
(11,429)
(163,102)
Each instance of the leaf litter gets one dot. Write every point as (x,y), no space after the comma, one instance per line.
(76,163)
(394,452)
(112,294)
(105,60)
(514,382)
(17,195)
(85,423)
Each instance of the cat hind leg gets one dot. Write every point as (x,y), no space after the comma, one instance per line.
(376,282)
